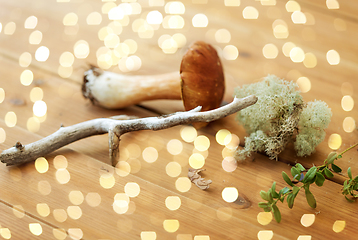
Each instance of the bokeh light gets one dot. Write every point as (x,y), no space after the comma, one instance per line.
(41,165)
(334,141)
(230,52)
(39,108)
(35,229)
(200,20)
(173,169)
(202,143)
(196,160)
(132,189)
(349,124)
(183,184)
(26,77)
(76,197)
(250,12)
(171,225)
(31,22)
(270,51)
(347,103)
(35,37)
(230,194)
(308,219)
(42,54)
(10,119)
(265,235)
(173,203)
(25,59)
(304,84)
(150,154)
(264,218)
(333,57)
(338,226)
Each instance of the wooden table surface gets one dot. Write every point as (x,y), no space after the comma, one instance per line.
(80,196)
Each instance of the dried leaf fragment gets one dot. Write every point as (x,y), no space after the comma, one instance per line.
(195,178)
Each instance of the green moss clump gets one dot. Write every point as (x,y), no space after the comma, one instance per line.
(280,116)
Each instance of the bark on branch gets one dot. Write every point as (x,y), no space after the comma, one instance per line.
(115,127)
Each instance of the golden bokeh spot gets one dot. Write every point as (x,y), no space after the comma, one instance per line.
(67,59)
(93,199)
(332,4)
(196,160)
(338,226)
(304,84)
(70,19)
(44,187)
(10,119)
(131,44)
(81,49)
(2,135)
(42,54)
(65,72)
(60,162)
(188,133)
(298,17)
(31,22)
(349,124)
(134,150)
(10,28)
(264,218)
(60,215)
(59,233)
(232,141)
(35,229)
(265,235)
(18,211)
(148,235)
(201,237)
(123,168)
(132,189)
(222,35)
(347,103)
(202,143)
(154,17)
(63,176)
(135,165)
(5,233)
(250,12)
(75,233)
(74,212)
(174,7)
(297,54)
(308,219)
(26,77)
(36,94)
(228,152)
(76,197)
(183,184)
(200,20)
(304,237)
(292,6)
(173,169)
(270,51)
(230,52)
(310,60)
(107,181)
(150,154)
(174,146)
(232,3)
(230,194)
(171,225)
(120,206)
(223,136)
(173,22)
(94,18)
(224,213)
(39,108)
(334,141)
(173,203)
(41,165)
(333,57)
(340,24)
(25,59)
(43,209)
(229,164)
(35,37)
(111,40)
(287,47)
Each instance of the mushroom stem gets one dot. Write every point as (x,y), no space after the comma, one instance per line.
(112,90)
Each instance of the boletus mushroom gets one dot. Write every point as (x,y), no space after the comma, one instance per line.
(200,82)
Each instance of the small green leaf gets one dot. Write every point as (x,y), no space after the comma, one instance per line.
(309,197)
(349,173)
(355,179)
(267,209)
(331,157)
(349,200)
(264,204)
(328,173)
(273,190)
(311,173)
(319,179)
(336,168)
(263,195)
(276,213)
(300,167)
(339,156)
(285,190)
(287,179)
(269,196)
(295,172)
(290,200)
(295,190)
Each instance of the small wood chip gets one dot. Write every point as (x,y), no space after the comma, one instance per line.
(194,176)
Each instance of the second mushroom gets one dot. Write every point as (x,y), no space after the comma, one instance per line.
(200,82)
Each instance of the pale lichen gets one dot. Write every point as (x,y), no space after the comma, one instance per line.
(279,117)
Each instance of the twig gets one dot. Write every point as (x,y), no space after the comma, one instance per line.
(20,154)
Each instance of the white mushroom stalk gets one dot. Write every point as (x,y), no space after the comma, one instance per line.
(113,90)
(115,127)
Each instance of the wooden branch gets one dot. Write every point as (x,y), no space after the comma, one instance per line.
(115,127)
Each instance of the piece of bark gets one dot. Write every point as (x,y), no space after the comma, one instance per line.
(195,177)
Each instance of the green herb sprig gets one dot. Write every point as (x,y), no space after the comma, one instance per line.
(314,175)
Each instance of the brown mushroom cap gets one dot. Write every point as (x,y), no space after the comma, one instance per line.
(202,78)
